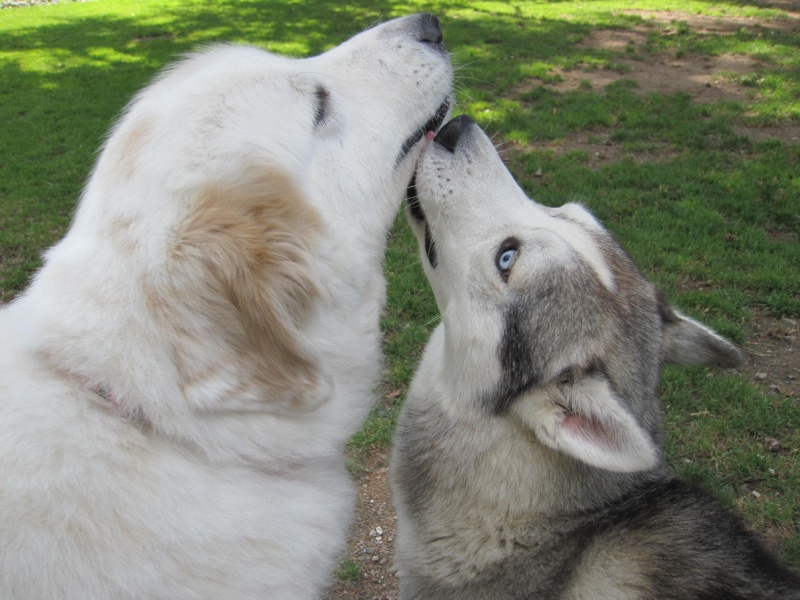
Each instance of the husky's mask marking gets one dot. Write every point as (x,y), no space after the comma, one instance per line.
(528,460)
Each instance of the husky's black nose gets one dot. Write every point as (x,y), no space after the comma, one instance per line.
(449,135)
(429,30)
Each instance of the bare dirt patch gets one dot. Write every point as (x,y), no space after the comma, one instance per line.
(371,542)
(773,348)
(727,25)
(599,148)
(706,78)
(786,132)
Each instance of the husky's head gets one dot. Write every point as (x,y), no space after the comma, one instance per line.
(545,318)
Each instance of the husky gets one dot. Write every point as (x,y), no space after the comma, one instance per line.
(528,459)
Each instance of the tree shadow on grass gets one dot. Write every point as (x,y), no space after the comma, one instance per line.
(62,83)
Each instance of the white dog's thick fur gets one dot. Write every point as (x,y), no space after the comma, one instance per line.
(178,382)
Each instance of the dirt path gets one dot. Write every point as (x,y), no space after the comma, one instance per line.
(371,542)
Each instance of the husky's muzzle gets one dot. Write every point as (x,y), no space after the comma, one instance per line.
(448,137)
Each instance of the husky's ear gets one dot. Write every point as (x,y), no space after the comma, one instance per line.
(587,420)
(687,342)
(237,291)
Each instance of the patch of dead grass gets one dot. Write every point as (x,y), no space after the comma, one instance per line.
(707,79)
(599,148)
(727,25)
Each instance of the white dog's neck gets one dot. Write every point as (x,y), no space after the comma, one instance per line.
(131,371)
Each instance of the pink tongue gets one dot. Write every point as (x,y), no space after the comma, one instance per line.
(430,135)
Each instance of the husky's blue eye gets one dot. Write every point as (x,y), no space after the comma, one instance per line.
(506,259)
(506,256)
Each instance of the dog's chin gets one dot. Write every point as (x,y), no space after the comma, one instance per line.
(414,207)
(433,124)
(419,223)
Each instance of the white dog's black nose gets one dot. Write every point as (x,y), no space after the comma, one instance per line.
(429,30)
(449,135)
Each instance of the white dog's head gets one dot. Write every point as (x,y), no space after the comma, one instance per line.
(544,317)
(235,218)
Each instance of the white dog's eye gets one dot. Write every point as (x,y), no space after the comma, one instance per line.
(506,257)
(322,106)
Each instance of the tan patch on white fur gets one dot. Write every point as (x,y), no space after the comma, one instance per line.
(128,146)
(119,231)
(238,288)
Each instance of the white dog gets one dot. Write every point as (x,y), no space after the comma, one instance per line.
(178,383)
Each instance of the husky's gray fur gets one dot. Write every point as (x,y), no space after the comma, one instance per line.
(528,458)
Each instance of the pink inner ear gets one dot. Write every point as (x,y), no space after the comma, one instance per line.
(591,429)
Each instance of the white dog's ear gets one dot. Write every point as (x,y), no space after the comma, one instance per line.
(237,291)
(687,342)
(587,420)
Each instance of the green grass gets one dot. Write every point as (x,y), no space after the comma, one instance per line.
(711,216)
(350,571)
